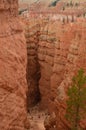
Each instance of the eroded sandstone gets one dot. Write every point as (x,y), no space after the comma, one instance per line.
(13,56)
(61,52)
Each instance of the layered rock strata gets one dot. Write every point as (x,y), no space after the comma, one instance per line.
(13,56)
(60,53)
(76,59)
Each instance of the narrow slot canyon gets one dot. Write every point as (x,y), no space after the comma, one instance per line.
(33,76)
(50,68)
(38,84)
(39,56)
(36,116)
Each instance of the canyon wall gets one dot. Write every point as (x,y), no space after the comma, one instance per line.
(76,59)
(13,56)
(60,50)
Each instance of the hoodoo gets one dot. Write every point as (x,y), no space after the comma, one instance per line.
(13,86)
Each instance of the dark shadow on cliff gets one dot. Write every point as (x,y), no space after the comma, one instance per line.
(33,76)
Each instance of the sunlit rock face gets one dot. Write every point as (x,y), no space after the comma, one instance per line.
(13,86)
(76,59)
(59,59)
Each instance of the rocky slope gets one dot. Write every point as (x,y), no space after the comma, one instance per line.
(13,86)
(60,50)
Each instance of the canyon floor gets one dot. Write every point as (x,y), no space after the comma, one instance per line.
(36,118)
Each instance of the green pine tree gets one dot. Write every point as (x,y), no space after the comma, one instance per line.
(76,103)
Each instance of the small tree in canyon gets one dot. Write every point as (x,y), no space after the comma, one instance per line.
(76,103)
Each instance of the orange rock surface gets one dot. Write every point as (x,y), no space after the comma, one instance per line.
(56,49)
(13,56)
(60,49)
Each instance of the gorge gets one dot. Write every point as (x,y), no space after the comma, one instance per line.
(59,54)
(38,58)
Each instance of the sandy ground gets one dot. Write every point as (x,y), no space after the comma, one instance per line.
(36,118)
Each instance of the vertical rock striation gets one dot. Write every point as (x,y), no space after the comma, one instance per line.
(76,59)
(60,51)
(13,86)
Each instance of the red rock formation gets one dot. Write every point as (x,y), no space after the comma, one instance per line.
(59,59)
(76,58)
(13,85)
